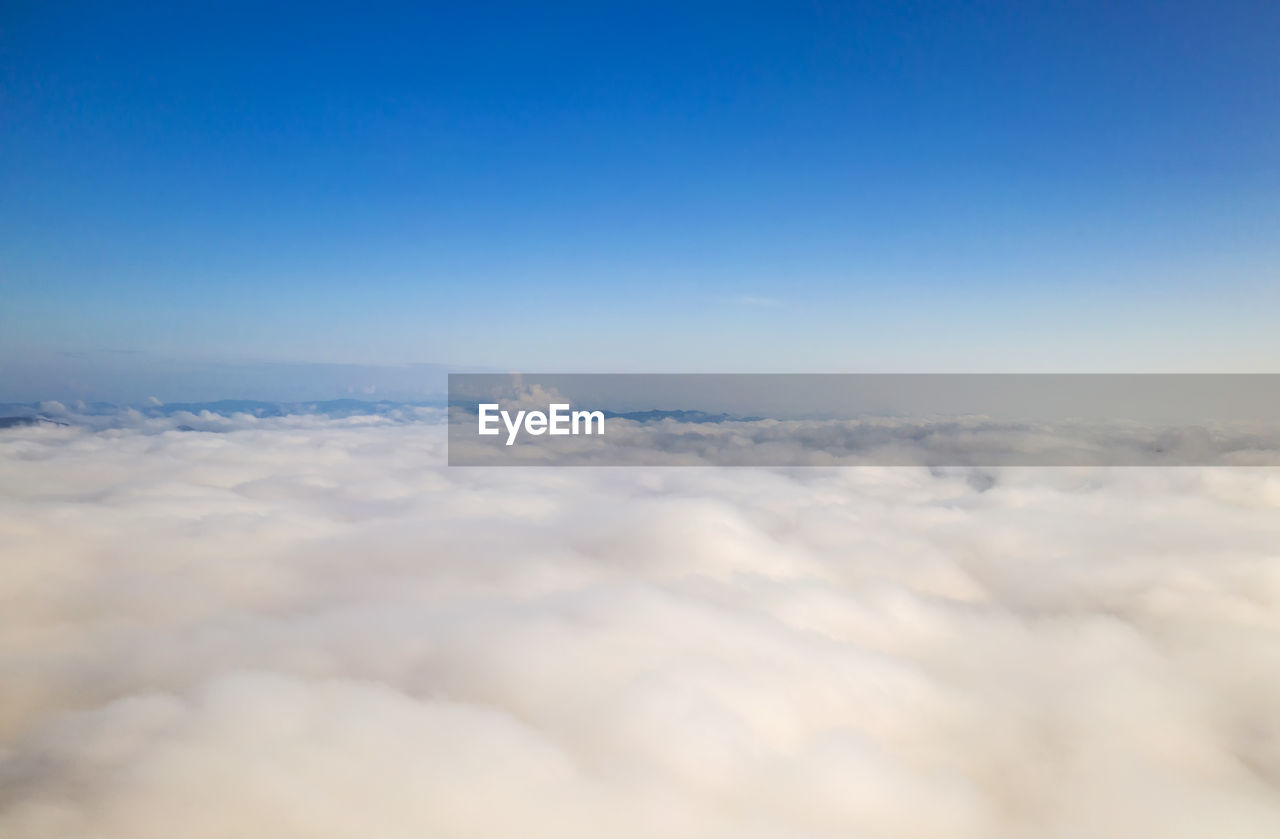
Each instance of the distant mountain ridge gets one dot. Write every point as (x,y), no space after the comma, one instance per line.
(221,407)
(24,421)
(20,414)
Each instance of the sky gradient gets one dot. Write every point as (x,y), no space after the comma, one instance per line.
(639,187)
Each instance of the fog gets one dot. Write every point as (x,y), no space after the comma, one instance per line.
(310,627)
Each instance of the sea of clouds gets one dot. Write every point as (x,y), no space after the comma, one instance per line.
(307,626)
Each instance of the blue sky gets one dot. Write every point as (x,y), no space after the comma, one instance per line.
(641,186)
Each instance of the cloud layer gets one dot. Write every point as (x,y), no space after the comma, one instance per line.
(309,627)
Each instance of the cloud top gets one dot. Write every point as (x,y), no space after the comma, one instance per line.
(308,626)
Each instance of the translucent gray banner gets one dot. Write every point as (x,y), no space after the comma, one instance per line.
(863,419)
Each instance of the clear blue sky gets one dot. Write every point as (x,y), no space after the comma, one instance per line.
(644,186)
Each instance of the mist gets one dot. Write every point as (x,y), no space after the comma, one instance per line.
(307,626)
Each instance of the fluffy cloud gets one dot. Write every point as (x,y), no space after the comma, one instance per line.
(310,627)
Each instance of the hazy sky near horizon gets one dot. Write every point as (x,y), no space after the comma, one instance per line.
(641,186)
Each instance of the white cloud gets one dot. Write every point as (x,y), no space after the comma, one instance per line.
(309,627)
